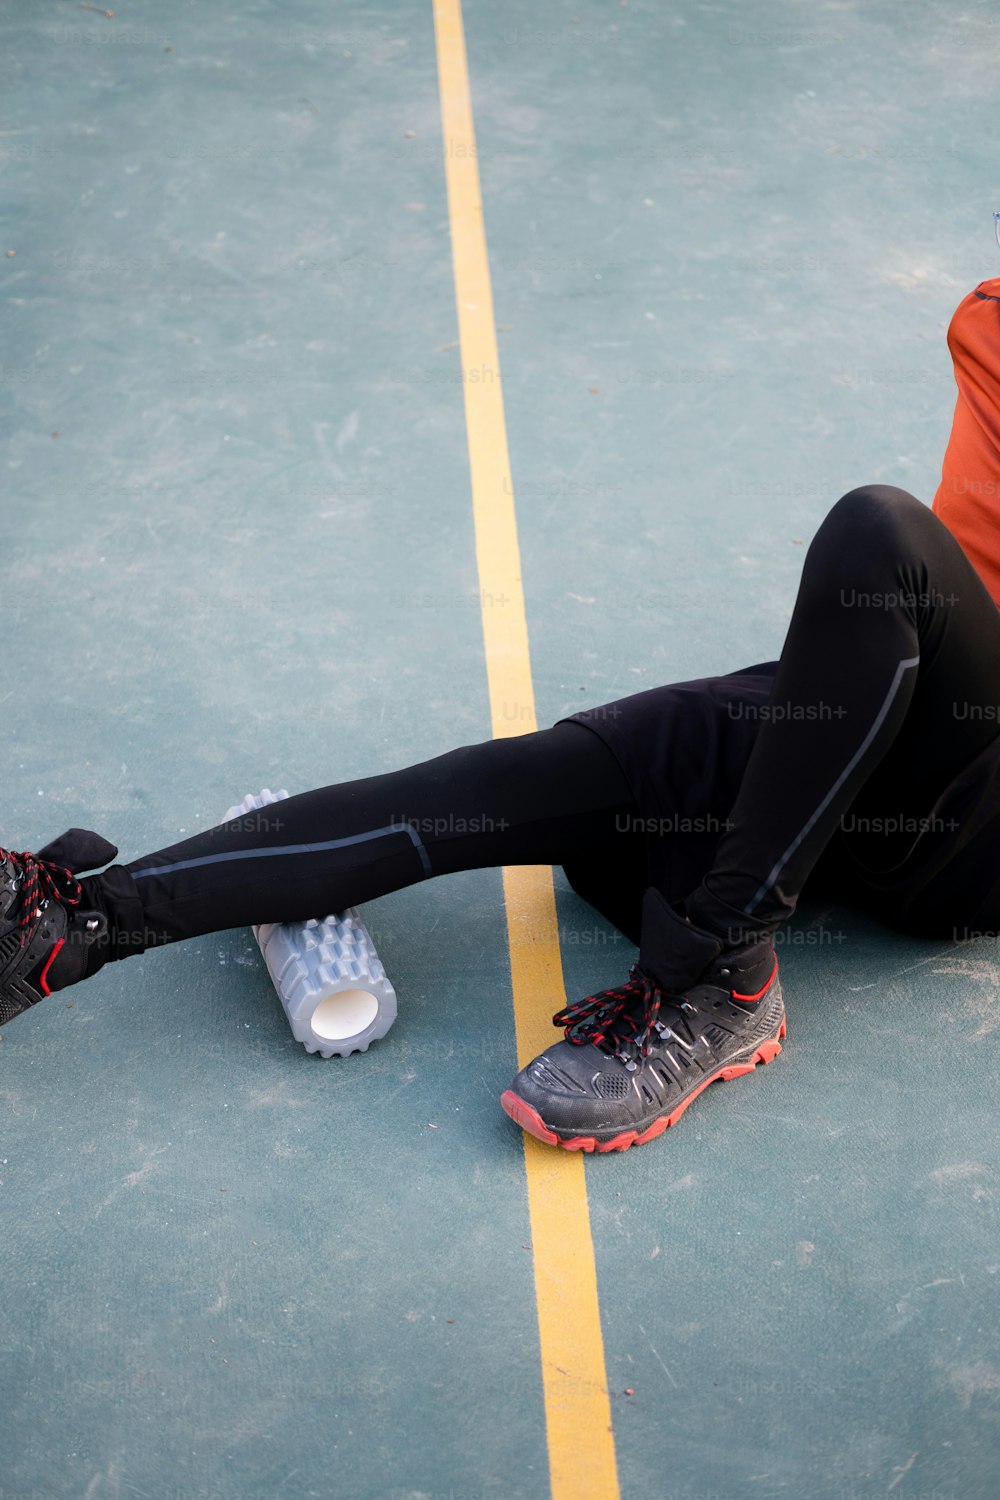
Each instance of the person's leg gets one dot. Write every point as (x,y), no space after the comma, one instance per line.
(892,629)
(540,798)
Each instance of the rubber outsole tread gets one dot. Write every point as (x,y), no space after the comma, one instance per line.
(531,1121)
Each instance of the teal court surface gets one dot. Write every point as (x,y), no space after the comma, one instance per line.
(297,491)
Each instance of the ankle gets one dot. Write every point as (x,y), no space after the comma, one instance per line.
(81,950)
(106,925)
(745,971)
(114,894)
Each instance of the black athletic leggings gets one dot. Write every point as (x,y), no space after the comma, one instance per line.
(543,798)
(893,632)
(891,627)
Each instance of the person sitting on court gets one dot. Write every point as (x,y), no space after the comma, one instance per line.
(863,763)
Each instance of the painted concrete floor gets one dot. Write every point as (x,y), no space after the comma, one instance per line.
(726,241)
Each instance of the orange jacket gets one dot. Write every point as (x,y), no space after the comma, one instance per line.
(968,497)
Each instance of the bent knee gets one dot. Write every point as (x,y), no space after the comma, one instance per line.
(876,509)
(872,520)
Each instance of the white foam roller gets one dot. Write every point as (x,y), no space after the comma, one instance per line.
(330,981)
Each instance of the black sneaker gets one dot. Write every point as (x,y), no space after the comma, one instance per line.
(46,932)
(635,1057)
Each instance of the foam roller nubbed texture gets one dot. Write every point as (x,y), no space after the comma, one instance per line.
(330,981)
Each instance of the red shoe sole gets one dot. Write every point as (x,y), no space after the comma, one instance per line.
(530,1120)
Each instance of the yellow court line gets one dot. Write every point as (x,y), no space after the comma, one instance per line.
(577,1406)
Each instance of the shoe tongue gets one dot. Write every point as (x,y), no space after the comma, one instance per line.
(79,849)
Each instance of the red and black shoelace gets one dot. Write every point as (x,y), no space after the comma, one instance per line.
(613,1019)
(40,880)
